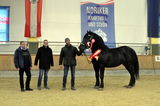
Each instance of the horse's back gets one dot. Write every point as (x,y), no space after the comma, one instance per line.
(116,56)
(112,57)
(128,52)
(121,49)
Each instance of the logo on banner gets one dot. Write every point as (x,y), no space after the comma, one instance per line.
(102,34)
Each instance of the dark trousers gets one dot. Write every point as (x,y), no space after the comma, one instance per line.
(66,68)
(41,72)
(28,79)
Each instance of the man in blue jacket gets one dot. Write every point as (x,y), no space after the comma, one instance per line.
(23,63)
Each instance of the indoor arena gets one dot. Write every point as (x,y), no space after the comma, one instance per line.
(79,53)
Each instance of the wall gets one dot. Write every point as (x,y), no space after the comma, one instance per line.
(8,63)
(145,62)
(61,18)
(131,21)
(16,18)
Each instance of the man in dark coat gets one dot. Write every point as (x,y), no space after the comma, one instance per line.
(67,56)
(45,57)
(23,63)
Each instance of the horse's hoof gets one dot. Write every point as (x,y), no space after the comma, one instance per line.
(96,87)
(100,89)
(128,86)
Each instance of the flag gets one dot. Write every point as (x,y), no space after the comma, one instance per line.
(33,13)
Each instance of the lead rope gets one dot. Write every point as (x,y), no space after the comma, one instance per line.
(87,58)
(92,41)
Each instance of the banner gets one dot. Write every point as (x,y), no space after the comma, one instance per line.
(153,18)
(4,23)
(99,18)
(33,13)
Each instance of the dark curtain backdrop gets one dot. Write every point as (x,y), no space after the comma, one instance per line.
(153,18)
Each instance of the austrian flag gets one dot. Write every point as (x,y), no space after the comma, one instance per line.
(33,13)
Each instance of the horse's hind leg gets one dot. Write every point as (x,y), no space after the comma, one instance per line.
(132,81)
(96,69)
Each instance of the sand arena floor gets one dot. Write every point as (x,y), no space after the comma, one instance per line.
(145,93)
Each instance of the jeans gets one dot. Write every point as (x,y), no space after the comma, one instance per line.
(41,71)
(66,68)
(28,79)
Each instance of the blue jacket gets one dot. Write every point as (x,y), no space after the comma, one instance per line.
(19,59)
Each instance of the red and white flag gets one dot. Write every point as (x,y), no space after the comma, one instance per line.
(33,13)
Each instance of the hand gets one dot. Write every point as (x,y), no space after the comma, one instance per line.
(17,69)
(89,59)
(61,67)
(96,57)
(30,68)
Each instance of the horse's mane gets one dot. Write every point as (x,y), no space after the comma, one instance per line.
(99,40)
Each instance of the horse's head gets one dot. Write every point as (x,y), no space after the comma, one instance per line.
(93,41)
(88,41)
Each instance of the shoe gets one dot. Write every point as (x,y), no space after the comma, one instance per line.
(39,88)
(22,90)
(29,89)
(47,88)
(73,88)
(63,88)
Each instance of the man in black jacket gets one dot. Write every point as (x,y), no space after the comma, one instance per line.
(23,63)
(67,56)
(45,57)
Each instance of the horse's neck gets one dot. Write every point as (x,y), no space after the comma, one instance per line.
(102,47)
(99,44)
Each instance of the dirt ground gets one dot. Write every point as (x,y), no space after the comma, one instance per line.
(145,93)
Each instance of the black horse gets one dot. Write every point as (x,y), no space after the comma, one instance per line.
(110,57)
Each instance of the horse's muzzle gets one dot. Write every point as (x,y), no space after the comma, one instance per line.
(82,47)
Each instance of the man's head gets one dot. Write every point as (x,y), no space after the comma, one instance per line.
(22,44)
(45,43)
(67,41)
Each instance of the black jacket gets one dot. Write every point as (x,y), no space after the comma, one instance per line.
(45,57)
(68,54)
(22,58)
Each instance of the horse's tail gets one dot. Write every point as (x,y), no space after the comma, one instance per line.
(136,64)
(134,61)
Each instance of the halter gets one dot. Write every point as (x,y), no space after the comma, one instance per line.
(96,53)
(92,41)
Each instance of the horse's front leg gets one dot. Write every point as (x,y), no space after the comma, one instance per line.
(96,67)
(102,67)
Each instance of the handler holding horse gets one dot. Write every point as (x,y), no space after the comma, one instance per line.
(67,56)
